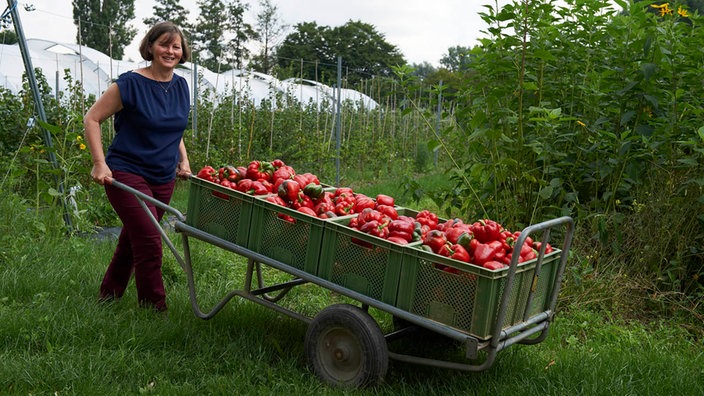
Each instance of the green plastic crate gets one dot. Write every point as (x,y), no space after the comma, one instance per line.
(296,243)
(219,211)
(469,301)
(372,271)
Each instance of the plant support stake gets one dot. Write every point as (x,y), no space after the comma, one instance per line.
(31,78)
(338,126)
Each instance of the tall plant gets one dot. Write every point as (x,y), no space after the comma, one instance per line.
(584,110)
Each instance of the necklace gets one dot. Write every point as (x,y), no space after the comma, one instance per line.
(162,84)
(165,87)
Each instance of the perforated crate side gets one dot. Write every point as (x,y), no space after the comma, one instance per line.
(372,270)
(469,301)
(296,243)
(219,211)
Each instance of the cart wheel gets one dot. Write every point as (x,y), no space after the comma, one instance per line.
(345,347)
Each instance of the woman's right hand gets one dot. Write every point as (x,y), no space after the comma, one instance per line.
(100,172)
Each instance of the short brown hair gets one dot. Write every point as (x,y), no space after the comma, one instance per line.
(155,32)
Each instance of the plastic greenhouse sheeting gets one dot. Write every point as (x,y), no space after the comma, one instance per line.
(97,70)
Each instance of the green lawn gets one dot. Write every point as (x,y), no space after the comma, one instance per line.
(55,338)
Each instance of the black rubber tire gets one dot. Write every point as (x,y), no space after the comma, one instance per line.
(346,348)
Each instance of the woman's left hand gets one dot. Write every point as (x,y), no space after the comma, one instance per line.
(183,169)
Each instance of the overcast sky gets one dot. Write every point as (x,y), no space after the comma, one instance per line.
(422,30)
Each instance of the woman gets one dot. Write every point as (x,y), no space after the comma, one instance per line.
(151,107)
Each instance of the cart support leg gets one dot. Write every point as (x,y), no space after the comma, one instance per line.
(188,270)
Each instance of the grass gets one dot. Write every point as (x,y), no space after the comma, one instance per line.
(55,338)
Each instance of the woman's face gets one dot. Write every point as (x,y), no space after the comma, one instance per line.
(167,50)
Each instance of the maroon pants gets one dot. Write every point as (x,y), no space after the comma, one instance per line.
(139,248)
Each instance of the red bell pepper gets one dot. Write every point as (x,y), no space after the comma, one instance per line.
(486,252)
(302,201)
(344,208)
(493,265)
(260,170)
(387,210)
(396,239)
(208,173)
(326,197)
(245,186)
(529,255)
(375,228)
(277,163)
(402,225)
(548,248)
(368,214)
(454,234)
(230,173)
(311,178)
(283,172)
(455,252)
(275,199)
(300,179)
(343,192)
(258,188)
(507,240)
(486,230)
(428,218)
(362,202)
(528,239)
(452,223)
(402,228)
(227,183)
(323,207)
(289,190)
(307,210)
(435,239)
(382,199)
(286,217)
(526,249)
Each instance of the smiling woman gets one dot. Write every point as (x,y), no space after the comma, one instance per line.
(151,106)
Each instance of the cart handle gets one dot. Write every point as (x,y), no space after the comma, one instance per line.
(144,197)
(545,226)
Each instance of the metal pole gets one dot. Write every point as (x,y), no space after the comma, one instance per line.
(195,99)
(338,128)
(31,79)
(437,120)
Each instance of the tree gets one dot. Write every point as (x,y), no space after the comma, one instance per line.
(457,58)
(104,25)
(365,52)
(169,10)
(268,31)
(423,69)
(8,37)
(237,52)
(303,49)
(210,33)
(221,33)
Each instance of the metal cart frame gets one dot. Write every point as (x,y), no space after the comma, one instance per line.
(351,361)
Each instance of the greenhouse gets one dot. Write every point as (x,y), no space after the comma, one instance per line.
(96,70)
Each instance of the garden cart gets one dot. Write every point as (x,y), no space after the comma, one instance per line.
(484,311)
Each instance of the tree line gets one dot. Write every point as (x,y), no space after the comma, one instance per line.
(222,38)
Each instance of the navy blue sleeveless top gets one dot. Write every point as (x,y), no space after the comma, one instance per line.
(149,127)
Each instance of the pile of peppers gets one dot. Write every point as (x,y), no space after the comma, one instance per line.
(380,218)
(279,182)
(484,243)
(257,178)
